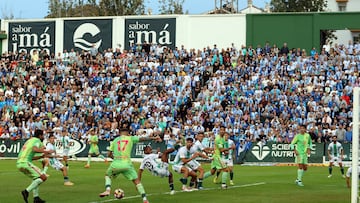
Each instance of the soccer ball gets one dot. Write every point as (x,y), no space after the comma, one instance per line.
(119,193)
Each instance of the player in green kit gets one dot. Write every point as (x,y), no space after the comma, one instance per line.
(24,164)
(94,148)
(228,158)
(302,151)
(120,150)
(217,163)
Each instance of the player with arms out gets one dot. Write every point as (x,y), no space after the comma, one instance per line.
(120,150)
(336,154)
(24,164)
(301,144)
(94,148)
(52,160)
(157,168)
(217,163)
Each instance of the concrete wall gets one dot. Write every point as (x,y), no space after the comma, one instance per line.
(192,31)
(297,29)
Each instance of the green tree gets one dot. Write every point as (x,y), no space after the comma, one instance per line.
(171,6)
(122,7)
(85,8)
(298,5)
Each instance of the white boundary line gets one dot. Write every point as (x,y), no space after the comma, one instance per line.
(165,193)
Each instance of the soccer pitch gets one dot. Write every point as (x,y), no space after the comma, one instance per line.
(255,184)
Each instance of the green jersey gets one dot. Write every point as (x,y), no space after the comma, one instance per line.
(219,143)
(302,142)
(122,147)
(94,140)
(26,153)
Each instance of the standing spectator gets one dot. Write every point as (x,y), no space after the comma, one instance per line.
(340,133)
(284,50)
(348,134)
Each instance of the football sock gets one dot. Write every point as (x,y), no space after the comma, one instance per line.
(66,164)
(35,183)
(207,174)
(107,182)
(45,169)
(217,174)
(200,181)
(342,170)
(224,177)
(184,181)
(101,156)
(171,185)
(66,178)
(36,191)
(89,159)
(141,190)
(192,184)
(300,173)
(330,170)
(231,175)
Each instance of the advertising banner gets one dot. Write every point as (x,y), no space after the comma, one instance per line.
(10,148)
(277,153)
(28,36)
(84,34)
(160,31)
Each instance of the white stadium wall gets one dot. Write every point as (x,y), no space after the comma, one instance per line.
(192,31)
(207,30)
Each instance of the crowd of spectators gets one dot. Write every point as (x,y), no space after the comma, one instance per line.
(258,94)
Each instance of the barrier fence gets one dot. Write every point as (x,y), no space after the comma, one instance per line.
(254,152)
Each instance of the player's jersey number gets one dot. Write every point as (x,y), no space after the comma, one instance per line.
(123,147)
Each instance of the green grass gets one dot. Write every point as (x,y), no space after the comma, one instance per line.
(275,185)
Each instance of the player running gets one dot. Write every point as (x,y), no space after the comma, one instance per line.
(24,164)
(302,150)
(65,141)
(120,150)
(336,154)
(94,148)
(157,168)
(52,160)
(217,163)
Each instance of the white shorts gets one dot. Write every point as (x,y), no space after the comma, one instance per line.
(162,171)
(193,164)
(177,168)
(335,159)
(66,152)
(56,164)
(229,162)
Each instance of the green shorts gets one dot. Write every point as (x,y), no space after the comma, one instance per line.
(29,169)
(94,150)
(217,163)
(301,159)
(121,167)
